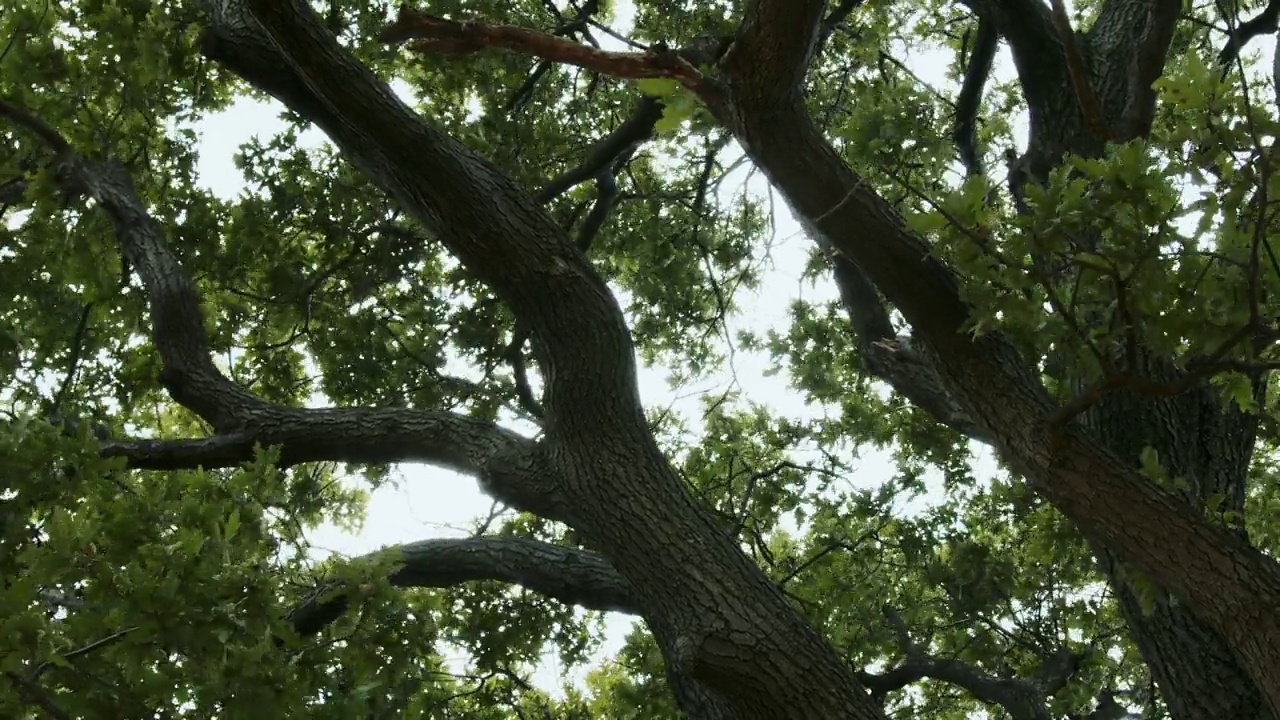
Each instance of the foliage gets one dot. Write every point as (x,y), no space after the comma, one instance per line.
(134,592)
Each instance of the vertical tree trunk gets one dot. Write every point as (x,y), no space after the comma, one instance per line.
(1197,436)
(1197,439)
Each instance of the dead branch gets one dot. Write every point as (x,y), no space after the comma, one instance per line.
(430,34)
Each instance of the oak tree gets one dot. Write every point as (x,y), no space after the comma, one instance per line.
(1099,311)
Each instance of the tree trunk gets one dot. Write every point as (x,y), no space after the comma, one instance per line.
(1197,436)
(1230,586)
(1196,439)
(733,645)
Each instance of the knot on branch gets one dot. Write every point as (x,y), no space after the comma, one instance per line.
(525,478)
(709,657)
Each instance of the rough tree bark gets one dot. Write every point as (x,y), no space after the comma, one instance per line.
(760,101)
(734,647)
(1201,657)
(1197,435)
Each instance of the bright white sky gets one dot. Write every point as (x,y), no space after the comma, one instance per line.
(429,502)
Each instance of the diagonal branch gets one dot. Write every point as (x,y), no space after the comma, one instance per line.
(1027,27)
(451,37)
(1003,393)
(835,19)
(508,240)
(1264,22)
(621,142)
(32,693)
(574,577)
(884,354)
(1135,38)
(1147,66)
(965,130)
(244,421)
(1017,697)
(1078,71)
(1022,699)
(177,323)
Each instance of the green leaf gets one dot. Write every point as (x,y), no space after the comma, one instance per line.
(1149,460)
(659,87)
(232,526)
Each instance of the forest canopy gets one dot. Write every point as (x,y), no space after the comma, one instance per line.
(516,206)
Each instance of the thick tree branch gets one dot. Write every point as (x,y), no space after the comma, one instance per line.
(514,354)
(502,459)
(1027,27)
(1260,24)
(623,141)
(450,37)
(574,577)
(352,435)
(774,45)
(1069,468)
(1023,23)
(1078,71)
(548,282)
(913,375)
(606,197)
(884,354)
(32,693)
(835,19)
(12,191)
(1019,698)
(605,158)
(990,379)
(1147,66)
(1130,40)
(1022,699)
(965,130)
(177,323)
(1107,709)
(708,605)
(778,30)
